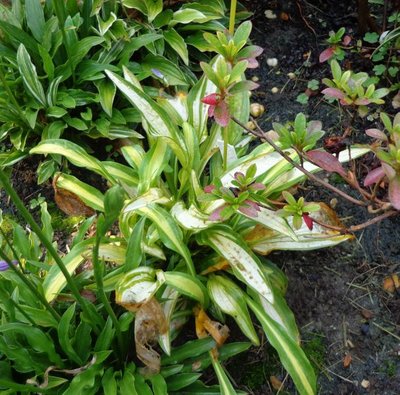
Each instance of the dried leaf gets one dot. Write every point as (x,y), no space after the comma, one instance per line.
(150,322)
(276,383)
(396,101)
(347,360)
(367,314)
(326,161)
(205,325)
(391,283)
(70,203)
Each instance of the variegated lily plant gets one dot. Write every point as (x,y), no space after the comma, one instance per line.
(172,256)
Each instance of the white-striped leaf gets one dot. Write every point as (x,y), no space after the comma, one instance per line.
(177,43)
(159,123)
(169,297)
(153,195)
(245,265)
(185,284)
(225,385)
(191,218)
(230,299)
(28,73)
(290,353)
(91,196)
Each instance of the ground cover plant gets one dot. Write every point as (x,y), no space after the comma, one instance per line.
(178,240)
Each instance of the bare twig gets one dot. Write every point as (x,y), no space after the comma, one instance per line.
(263,136)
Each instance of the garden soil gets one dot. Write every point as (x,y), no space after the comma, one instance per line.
(350,325)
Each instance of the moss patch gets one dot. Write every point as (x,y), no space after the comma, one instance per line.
(314,348)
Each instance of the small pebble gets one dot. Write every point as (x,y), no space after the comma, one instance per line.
(256,109)
(274,90)
(365,384)
(255,78)
(291,76)
(333,202)
(270,14)
(272,62)
(251,125)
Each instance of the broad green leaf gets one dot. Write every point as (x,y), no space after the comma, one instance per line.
(181,380)
(63,330)
(157,119)
(169,231)
(176,41)
(74,153)
(55,281)
(245,265)
(185,284)
(91,196)
(35,18)
(229,298)
(29,75)
(106,93)
(291,355)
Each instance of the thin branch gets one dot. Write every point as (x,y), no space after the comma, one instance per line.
(263,136)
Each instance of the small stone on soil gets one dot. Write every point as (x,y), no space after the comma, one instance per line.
(274,90)
(272,62)
(270,14)
(365,384)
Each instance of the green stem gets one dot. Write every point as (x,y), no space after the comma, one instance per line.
(225,156)
(232,17)
(91,314)
(30,286)
(98,275)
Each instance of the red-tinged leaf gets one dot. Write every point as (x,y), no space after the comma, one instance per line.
(213,99)
(209,188)
(362,101)
(216,214)
(221,114)
(326,161)
(394,192)
(389,171)
(346,40)
(376,134)
(314,126)
(257,186)
(334,92)
(326,54)
(374,176)
(308,221)
(252,63)
(249,208)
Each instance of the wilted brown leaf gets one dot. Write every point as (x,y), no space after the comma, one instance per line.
(150,322)
(347,360)
(367,314)
(205,325)
(276,383)
(391,283)
(70,203)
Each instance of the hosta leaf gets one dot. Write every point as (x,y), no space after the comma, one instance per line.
(29,75)
(290,353)
(176,41)
(245,265)
(88,194)
(157,119)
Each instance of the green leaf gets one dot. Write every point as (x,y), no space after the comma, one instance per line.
(29,75)
(290,353)
(35,18)
(177,43)
(158,384)
(230,299)
(225,384)
(63,330)
(159,123)
(182,380)
(371,37)
(185,284)
(106,93)
(242,33)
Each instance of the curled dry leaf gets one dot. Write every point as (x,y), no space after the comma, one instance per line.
(205,325)
(150,322)
(391,283)
(70,203)
(276,383)
(347,360)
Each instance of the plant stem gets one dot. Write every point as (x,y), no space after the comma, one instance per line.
(98,274)
(232,17)
(91,315)
(225,156)
(263,136)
